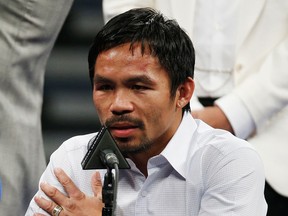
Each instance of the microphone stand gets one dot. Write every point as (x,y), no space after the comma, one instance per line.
(109,191)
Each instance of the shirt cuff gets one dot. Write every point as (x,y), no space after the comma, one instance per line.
(237,114)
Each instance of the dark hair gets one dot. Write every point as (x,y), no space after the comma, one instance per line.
(165,39)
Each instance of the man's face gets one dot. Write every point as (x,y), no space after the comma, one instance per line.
(132,98)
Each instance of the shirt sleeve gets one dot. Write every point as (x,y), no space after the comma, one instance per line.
(265,93)
(237,114)
(233,184)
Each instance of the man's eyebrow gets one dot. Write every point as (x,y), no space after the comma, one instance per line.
(141,78)
(101,79)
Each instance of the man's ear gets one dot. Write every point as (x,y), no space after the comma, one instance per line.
(185,92)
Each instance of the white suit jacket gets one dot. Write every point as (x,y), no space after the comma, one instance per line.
(260,72)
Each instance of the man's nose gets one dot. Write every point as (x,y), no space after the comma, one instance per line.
(121,103)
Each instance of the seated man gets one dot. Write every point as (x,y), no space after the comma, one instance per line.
(141,68)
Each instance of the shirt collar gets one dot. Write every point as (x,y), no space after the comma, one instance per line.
(179,147)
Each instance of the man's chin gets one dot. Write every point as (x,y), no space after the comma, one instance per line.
(132,149)
(130,145)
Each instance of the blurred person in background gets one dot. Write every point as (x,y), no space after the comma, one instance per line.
(241,74)
(27,34)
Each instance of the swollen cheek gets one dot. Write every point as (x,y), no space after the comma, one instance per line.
(98,100)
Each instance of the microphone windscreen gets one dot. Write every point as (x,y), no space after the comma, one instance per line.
(102,142)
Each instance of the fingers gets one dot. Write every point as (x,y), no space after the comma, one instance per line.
(46,205)
(54,194)
(69,186)
(97,185)
(75,202)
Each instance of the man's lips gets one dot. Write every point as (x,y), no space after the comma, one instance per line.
(122,130)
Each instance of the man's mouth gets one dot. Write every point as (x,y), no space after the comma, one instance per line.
(122,129)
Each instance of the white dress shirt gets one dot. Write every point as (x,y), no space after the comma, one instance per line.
(202,171)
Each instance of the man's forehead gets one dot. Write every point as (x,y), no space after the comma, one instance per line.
(136,48)
(124,53)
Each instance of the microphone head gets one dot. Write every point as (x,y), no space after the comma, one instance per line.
(108,157)
(103,152)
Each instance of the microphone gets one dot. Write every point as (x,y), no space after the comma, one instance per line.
(103,152)
(108,157)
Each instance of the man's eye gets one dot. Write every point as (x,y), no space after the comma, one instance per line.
(139,87)
(103,87)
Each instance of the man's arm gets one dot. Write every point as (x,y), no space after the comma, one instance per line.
(262,95)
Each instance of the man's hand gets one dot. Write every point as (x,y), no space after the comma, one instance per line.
(76,203)
(213,116)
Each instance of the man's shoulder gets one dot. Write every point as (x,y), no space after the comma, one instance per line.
(219,148)
(221,140)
